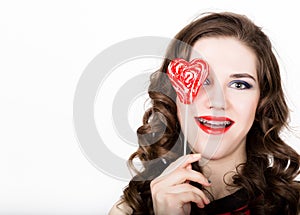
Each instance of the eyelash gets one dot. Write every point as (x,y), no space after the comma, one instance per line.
(245,85)
(206,82)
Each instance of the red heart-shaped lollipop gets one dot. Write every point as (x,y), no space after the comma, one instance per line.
(187,77)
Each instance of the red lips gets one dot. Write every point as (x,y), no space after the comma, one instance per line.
(213,124)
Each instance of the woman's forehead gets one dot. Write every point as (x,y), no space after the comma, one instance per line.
(226,54)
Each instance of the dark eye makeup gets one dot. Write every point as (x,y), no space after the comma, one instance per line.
(239,84)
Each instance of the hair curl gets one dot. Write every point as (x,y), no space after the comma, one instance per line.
(160,135)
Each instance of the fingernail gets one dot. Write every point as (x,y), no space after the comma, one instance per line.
(196,155)
(207,201)
(200,206)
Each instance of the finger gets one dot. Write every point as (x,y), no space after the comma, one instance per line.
(189,167)
(187,197)
(182,162)
(180,176)
(188,159)
(183,188)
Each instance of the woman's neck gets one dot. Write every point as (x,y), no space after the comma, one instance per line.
(220,173)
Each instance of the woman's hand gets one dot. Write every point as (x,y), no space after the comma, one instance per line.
(171,191)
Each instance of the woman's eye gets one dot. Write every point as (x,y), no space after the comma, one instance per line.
(240,85)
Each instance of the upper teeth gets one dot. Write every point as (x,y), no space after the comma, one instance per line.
(214,123)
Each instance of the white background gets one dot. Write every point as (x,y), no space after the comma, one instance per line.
(44,48)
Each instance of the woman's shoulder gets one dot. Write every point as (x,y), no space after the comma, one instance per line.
(120,208)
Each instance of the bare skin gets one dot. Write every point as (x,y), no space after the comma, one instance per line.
(171,191)
(231,91)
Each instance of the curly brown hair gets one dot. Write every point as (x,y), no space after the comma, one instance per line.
(160,136)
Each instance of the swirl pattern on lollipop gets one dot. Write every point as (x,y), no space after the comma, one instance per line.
(187,77)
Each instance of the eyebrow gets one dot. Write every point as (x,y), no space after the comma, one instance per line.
(242,75)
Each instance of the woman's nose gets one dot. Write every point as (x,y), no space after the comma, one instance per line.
(215,97)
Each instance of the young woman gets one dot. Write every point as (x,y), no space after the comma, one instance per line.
(236,163)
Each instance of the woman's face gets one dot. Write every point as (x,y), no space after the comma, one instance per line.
(224,110)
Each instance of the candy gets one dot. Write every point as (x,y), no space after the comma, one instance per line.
(187,77)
